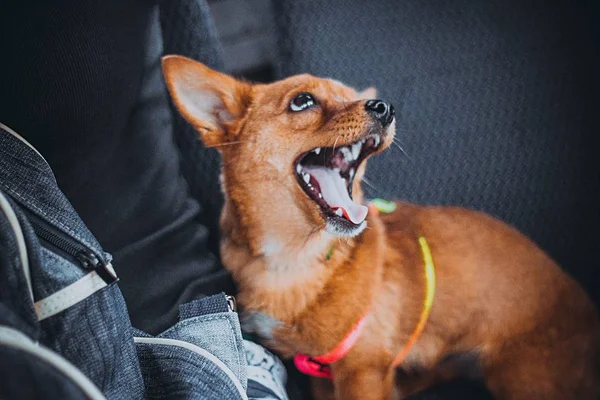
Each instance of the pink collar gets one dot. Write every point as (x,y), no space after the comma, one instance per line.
(319,366)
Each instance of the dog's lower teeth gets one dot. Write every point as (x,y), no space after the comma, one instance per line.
(306,177)
(339,212)
(351,173)
(320,195)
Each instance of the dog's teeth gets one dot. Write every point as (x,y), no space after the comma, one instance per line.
(317,150)
(351,173)
(306,177)
(347,153)
(356,150)
(299,168)
(339,212)
(377,138)
(320,195)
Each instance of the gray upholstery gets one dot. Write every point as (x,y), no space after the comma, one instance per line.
(497,104)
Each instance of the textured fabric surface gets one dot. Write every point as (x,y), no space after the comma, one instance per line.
(496,105)
(43,380)
(15,310)
(173,372)
(188,30)
(93,333)
(218,333)
(208,305)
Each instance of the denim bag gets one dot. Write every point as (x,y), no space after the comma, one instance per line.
(64,327)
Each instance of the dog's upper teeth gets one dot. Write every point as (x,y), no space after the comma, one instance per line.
(339,212)
(298,168)
(356,150)
(306,177)
(376,138)
(317,150)
(347,153)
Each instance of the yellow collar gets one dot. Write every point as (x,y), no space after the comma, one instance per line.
(430,292)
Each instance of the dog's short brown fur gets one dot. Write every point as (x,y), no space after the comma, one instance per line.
(500,300)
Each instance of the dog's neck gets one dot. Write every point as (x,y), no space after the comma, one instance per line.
(266,260)
(285,253)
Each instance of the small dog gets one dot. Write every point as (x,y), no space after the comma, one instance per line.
(393,301)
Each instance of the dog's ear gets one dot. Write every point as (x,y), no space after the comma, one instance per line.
(367,94)
(207,99)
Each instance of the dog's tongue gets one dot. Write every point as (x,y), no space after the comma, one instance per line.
(335,193)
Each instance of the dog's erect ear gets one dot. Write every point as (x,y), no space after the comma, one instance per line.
(207,99)
(367,94)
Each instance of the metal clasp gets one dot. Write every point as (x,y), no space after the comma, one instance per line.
(231,303)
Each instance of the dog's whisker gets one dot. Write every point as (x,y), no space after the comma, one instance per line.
(229,143)
(401,149)
(404,130)
(396,140)
(369,184)
(335,143)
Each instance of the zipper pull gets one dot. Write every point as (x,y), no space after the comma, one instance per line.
(90,261)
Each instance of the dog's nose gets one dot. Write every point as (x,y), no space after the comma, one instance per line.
(380,110)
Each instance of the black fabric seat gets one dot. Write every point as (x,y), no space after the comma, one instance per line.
(497,108)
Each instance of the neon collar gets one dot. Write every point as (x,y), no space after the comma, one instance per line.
(319,366)
(429,294)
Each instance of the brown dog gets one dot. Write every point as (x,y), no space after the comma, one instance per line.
(310,262)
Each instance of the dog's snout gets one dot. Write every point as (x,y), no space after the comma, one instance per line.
(380,110)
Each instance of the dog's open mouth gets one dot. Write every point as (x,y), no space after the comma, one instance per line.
(326,175)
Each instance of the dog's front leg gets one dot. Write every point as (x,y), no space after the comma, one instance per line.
(367,382)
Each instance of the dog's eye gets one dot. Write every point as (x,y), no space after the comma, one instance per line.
(302,101)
